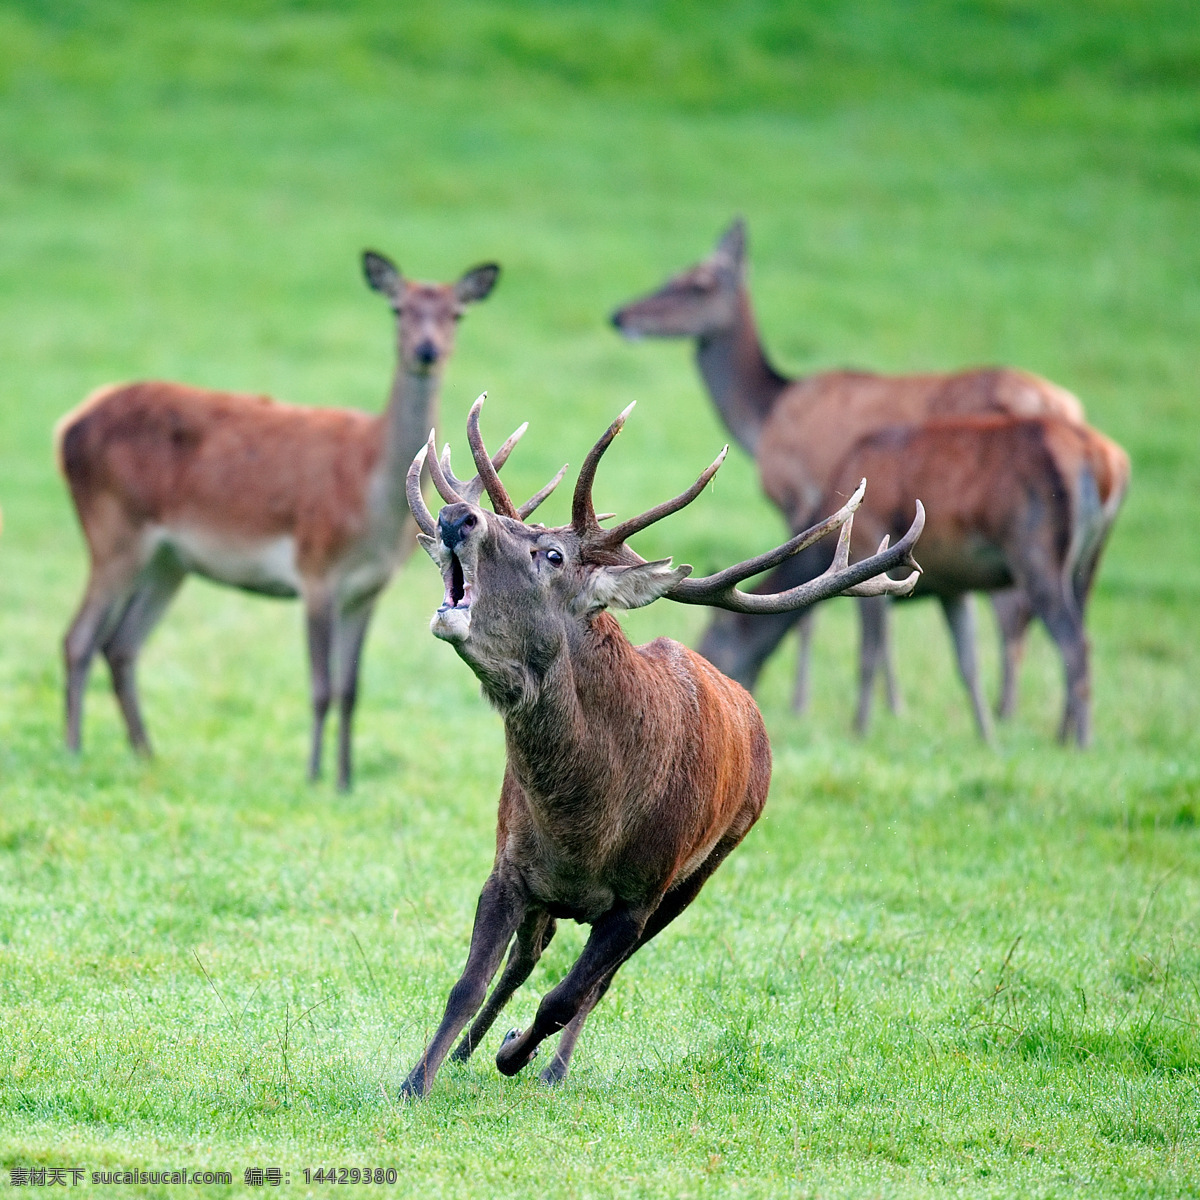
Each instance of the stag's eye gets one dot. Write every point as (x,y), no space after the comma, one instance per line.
(554,558)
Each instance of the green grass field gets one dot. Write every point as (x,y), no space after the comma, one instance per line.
(932,969)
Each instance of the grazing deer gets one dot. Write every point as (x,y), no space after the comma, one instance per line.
(1024,504)
(798,430)
(631,771)
(169,479)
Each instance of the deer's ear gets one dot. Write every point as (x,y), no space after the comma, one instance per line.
(631,587)
(382,274)
(732,246)
(477,283)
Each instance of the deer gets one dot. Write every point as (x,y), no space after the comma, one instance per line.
(169,479)
(799,429)
(631,772)
(1023,504)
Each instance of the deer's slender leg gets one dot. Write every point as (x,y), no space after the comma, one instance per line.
(1013,614)
(673,903)
(960,616)
(872,650)
(891,685)
(319,618)
(613,938)
(1065,625)
(350,629)
(804,630)
(500,911)
(154,592)
(532,938)
(103,602)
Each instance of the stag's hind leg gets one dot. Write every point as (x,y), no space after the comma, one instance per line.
(804,631)
(872,653)
(155,590)
(673,903)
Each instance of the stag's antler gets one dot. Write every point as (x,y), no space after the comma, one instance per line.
(454,490)
(866,578)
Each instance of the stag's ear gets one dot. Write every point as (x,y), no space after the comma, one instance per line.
(382,274)
(430,546)
(631,587)
(732,246)
(477,283)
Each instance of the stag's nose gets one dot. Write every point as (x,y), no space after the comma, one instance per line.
(426,353)
(455,521)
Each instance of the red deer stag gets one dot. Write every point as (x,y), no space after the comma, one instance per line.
(632,771)
(799,430)
(169,479)
(1012,501)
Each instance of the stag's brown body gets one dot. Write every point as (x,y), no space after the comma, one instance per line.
(609,803)
(169,480)
(800,430)
(631,772)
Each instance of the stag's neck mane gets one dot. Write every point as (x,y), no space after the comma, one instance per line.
(743,384)
(584,721)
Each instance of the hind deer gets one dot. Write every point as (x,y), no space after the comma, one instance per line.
(632,772)
(169,479)
(1024,504)
(799,430)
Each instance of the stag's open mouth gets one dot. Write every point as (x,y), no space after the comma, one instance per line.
(452,621)
(459,589)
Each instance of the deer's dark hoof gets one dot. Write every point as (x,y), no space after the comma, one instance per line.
(554,1074)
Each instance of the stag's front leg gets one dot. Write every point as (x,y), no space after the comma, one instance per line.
(532,938)
(613,938)
(500,911)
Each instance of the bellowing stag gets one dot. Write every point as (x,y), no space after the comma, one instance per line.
(632,772)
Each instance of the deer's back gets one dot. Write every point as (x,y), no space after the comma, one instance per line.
(817,420)
(996,491)
(172,455)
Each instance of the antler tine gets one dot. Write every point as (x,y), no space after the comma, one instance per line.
(720,590)
(416,502)
(472,489)
(583,514)
(445,489)
(537,497)
(618,534)
(483,464)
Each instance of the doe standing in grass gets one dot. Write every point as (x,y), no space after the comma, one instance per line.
(632,771)
(800,429)
(169,479)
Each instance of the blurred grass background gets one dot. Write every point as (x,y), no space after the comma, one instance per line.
(933,969)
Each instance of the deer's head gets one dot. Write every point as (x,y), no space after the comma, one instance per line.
(519,595)
(426,313)
(699,302)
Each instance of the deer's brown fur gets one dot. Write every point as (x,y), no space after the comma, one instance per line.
(1025,503)
(800,429)
(169,479)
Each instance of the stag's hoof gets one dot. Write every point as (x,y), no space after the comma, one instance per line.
(411,1090)
(554,1074)
(509,1060)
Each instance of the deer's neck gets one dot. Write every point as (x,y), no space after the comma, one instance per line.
(742,383)
(410,414)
